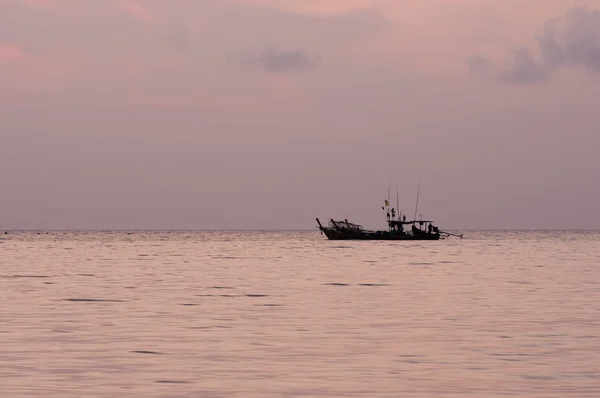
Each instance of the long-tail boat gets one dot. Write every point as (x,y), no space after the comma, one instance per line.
(345,230)
(419,229)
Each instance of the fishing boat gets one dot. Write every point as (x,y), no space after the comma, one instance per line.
(416,229)
(345,230)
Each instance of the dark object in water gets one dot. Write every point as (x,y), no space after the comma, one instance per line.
(88,300)
(344,230)
(172,381)
(419,229)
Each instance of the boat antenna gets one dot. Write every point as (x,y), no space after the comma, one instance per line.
(389,188)
(397,202)
(387,202)
(418,192)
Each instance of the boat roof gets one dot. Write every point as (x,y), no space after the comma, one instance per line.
(409,222)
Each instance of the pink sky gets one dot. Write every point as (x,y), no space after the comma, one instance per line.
(268,113)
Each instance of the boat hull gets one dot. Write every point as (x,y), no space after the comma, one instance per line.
(333,234)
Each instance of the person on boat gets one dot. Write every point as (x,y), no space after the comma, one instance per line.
(404,217)
(430,228)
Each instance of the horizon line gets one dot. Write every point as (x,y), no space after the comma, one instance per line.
(268,229)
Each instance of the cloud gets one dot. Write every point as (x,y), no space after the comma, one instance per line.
(573,41)
(275,61)
(525,69)
(478,65)
(570,41)
(187,48)
(137,11)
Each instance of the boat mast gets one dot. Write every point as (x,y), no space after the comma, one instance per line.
(397,203)
(388,201)
(418,191)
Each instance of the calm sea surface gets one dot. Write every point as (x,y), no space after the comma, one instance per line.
(291,314)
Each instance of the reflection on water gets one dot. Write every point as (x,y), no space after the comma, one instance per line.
(290,314)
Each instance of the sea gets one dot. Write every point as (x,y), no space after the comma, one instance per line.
(291,314)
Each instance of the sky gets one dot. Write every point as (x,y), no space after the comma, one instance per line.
(264,114)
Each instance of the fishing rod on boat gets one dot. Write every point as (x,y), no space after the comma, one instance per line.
(418,192)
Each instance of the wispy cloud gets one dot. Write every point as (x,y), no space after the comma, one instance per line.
(275,61)
(570,41)
(525,68)
(137,11)
(478,65)
(573,40)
